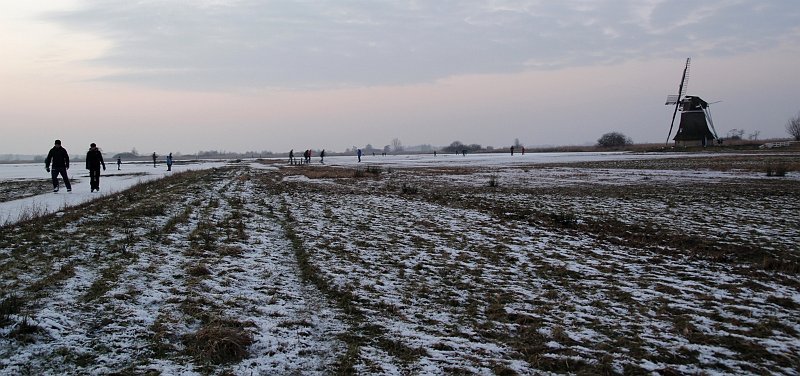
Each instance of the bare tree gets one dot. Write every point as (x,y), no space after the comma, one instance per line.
(793,127)
(735,134)
(397,146)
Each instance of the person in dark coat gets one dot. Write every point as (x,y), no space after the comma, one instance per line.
(119,163)
(155,157)
(359,155)
(169,162)
(291,156)
(60,159)
(94,158)
(322,156)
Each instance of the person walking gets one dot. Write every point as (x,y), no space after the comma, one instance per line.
(119,163)
(169,162)
(60,158)
(359,155)
(322,156)
(154,159)
(291,157)
(94,158)
(512,150)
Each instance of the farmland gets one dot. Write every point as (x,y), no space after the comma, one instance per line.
(668,265)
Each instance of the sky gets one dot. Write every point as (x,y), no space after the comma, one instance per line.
(184,76)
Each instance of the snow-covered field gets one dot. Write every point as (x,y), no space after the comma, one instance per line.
(485,264)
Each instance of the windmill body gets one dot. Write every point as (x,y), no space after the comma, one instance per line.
(696,127)
(693,129)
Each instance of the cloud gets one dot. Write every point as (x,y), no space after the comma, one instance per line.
(248,44)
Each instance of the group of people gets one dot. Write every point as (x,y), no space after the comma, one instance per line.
(57,163)
(169,161)
(306,157)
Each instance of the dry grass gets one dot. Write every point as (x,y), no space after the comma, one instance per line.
(219,342)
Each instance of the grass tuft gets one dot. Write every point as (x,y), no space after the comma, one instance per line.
(219,342)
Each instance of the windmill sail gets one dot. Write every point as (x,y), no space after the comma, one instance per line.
(676,100)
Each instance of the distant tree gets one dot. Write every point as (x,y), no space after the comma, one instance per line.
(387,148)
(613,139)
(135,152)
(754,136)
(454,147)
(793,126)
(735,134)
(397,146)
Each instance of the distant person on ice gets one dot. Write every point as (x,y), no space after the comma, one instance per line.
(169,162)
(512,150)
(359,155)
(322,156)
(94,158)
(119,163)
(291,156)
(154,159)
(60,158)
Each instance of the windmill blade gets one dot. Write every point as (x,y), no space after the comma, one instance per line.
(673,121)
(672,99)
(685,79)
(707,112)
(680,95)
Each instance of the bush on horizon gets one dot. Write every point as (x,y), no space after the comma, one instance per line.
(614,139)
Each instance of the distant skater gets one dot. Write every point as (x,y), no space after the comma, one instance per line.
(154,159)
(322,156)
(119,163)
(512,151)
(94,158)
(523,150)
(169,162)
(60,158)
(359,155)
(291,156)
(434,153)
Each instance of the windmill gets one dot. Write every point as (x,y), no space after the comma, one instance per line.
(693,128)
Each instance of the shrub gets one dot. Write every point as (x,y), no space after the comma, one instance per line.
(614,139)
(9,306)
(776,169)
(409,189)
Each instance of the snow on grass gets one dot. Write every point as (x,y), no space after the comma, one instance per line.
(406,270)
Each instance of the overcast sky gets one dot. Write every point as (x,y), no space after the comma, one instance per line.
(183,76)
